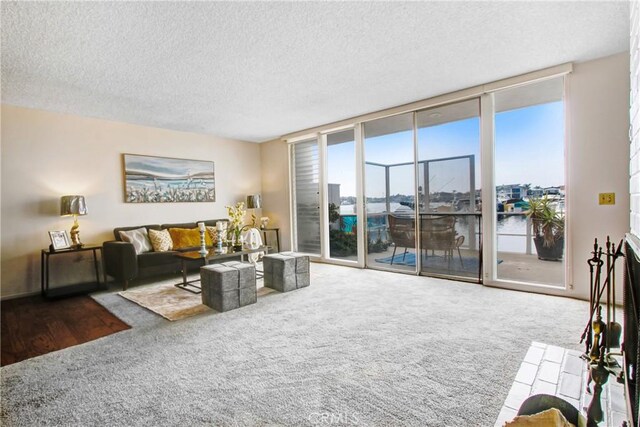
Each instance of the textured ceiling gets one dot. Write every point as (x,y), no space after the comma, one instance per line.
(258,70)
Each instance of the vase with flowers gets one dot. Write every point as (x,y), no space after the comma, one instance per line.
(264,221)
(236,224)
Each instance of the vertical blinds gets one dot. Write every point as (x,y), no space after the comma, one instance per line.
(306,163)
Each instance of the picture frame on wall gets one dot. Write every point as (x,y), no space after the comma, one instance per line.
(153,179)
(59,240)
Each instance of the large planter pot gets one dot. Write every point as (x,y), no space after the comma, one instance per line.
(549,253)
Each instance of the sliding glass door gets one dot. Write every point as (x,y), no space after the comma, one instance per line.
(449,190)
(390,193)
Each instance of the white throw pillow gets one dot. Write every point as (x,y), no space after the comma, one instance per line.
(160,240)
(139,238)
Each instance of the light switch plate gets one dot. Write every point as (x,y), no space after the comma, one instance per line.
(607,198)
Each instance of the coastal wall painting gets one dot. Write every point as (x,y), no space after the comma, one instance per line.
(149,179)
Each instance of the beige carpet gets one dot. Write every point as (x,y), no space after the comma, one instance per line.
(357,347)
(173,303)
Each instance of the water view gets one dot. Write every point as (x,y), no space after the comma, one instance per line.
(511,228)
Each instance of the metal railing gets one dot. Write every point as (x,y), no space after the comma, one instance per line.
(528,235)
(379,230)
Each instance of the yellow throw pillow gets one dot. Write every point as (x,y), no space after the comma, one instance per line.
(160,240)
(187,238)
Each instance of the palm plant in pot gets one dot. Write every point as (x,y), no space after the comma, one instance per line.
(548,228)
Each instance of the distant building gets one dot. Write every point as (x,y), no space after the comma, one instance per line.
(334,194)
(511,191)
(518,191)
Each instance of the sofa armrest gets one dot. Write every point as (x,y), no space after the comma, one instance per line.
(120,260)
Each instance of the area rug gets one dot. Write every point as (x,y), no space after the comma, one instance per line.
(168,301)
(171,302)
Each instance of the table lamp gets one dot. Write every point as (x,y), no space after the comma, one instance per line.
(73,205)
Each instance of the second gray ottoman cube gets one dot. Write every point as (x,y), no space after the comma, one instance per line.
(286,271)
(228,286)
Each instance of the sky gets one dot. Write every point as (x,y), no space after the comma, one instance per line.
(529,149)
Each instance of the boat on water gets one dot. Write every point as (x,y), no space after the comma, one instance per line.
(515,205)
(522,204)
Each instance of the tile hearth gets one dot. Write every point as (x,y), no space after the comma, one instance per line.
(557,371)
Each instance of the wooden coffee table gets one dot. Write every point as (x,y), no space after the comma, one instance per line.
(211,257)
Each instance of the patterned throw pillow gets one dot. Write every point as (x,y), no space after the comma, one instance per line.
(160,240)
(184,238)
(139,238)
(213,235)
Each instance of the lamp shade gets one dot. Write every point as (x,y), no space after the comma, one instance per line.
(72,205)
(254,201)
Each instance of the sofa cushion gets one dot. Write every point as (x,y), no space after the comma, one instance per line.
(212,222)
(117,230)
(138,238)
(188,238)
(160,240)
(153,259)
(212,233)
(179,225)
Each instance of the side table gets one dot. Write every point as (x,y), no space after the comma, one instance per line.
(69,289)
(264,237)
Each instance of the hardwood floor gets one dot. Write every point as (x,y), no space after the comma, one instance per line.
(33,326)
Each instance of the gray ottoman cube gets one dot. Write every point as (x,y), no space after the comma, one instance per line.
(286,271)
(228,286)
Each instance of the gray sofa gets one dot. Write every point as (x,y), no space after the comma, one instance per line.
(123,264)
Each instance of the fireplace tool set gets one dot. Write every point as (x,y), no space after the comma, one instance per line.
(600,337)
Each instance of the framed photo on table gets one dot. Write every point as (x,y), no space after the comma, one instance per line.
(59,240)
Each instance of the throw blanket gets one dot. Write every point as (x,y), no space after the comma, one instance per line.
(252,239)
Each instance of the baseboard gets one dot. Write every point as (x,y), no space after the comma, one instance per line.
(22,295)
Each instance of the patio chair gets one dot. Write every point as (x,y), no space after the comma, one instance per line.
(438,233)
(402,233)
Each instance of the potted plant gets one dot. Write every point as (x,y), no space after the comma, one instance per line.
(236,219)
(548,228)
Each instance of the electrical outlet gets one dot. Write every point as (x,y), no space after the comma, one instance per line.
(607,198)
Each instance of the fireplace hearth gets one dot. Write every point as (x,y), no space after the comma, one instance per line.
(631,355)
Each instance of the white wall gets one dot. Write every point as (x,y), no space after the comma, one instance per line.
(634,117)
(598,152)
(46,155)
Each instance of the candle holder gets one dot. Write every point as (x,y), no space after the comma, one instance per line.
(203,243)
(221,229)
(219,247)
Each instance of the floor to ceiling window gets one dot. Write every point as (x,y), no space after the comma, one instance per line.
(529,171)
(342,198)
(390,193)
(306,195)
(449,189)
(418,177)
